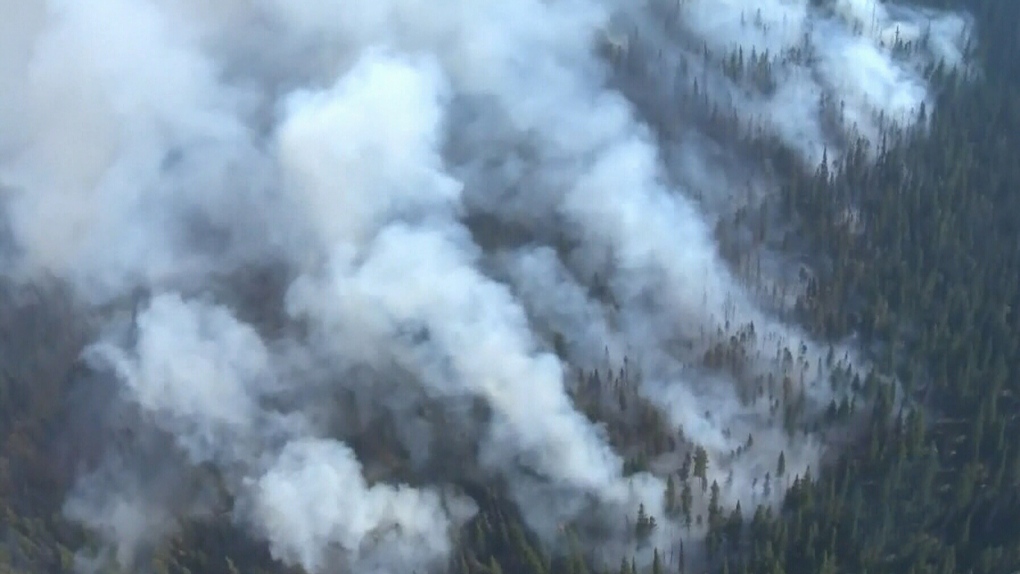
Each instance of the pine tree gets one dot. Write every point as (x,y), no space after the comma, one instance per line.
(670,496)
(701,466)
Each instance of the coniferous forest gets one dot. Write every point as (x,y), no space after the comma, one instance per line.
(914,246)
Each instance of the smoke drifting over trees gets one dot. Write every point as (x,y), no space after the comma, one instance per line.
(340,259)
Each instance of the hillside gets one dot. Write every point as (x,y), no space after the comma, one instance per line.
(530,288)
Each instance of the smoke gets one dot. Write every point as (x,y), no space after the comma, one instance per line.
(475,339)
(314,496)
(205,379)
(457,205)
(818,77)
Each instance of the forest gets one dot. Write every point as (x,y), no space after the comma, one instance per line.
(910,249)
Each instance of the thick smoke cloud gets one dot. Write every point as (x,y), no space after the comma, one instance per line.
(198,374)
(314,496)
(477,340)
(816,76)
(458,204)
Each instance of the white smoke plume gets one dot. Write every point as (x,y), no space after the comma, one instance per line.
(202,376)
(477,340)
(314,497)
(459,203)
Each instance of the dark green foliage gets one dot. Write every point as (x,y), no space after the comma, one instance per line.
(932,286)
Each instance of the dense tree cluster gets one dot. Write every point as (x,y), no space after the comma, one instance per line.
(931,286)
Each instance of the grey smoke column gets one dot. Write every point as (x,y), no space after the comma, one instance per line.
(352,147)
